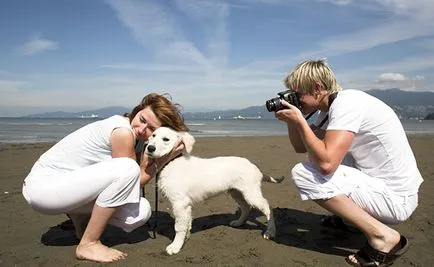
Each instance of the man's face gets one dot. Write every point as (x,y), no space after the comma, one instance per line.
(308,101)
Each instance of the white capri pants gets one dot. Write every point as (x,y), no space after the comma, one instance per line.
(113,183)
(371,194)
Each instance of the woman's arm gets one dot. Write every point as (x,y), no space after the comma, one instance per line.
(122,141)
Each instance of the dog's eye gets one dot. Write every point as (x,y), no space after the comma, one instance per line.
(165,139)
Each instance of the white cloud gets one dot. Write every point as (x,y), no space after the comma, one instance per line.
(405,20)
(37,45)
(8,86)
(157,28)
(194,66)
(418,78)
(167,68)
(383,81)
(427,44)
(337,2)
(392,77)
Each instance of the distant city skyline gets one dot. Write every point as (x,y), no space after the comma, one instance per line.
(208,55)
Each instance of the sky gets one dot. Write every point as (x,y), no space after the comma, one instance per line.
(75,55)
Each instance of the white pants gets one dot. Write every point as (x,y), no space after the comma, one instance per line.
(369,193)
(112,183)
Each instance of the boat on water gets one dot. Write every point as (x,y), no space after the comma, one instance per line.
(239,117)
(92,116)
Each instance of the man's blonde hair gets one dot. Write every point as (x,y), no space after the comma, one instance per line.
(306,74)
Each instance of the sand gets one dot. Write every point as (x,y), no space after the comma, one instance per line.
(32,239)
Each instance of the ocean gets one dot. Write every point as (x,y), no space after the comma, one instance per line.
(36,130)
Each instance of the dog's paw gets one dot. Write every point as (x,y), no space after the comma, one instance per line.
(269,234)
(236,223)
(173,249)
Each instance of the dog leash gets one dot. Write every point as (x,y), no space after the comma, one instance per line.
(154,227)
(140,148)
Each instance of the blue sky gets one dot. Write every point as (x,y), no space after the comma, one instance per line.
(208,55)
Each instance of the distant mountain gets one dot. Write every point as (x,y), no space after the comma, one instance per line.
(253,112)
(105,112)
(407,104)
(55,114)
(404,98)
(99,113)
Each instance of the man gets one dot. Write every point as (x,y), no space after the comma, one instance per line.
(382,184)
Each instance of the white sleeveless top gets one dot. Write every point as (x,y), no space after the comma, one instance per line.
(83,147)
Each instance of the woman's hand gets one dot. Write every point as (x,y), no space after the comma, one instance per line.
(289,115)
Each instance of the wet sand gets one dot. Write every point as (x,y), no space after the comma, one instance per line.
(32,239)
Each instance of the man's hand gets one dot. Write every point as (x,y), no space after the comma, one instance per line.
(176,151)
(289,115)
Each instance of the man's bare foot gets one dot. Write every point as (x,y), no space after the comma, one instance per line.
(385,244)
(96,251)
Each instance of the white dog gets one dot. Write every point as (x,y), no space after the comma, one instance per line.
(187,180)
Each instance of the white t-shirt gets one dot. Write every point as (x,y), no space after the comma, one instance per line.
(83,147)
(380,147)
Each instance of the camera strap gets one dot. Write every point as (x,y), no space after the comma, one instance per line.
(332,97)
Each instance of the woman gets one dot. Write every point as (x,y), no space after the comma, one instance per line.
(92,175)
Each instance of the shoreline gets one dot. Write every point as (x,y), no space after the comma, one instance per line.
(409,135)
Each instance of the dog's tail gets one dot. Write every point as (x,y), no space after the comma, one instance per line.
(267,178)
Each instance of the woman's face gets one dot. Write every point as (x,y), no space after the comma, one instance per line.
(145,123)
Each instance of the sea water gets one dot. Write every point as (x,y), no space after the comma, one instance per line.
(35,130)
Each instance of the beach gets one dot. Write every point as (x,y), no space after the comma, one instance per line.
(32,239)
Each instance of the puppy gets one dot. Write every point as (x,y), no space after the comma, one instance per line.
(187,180)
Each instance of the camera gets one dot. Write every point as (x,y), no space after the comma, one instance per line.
(289,96)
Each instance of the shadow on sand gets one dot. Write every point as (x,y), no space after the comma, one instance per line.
(63,234)
(295,228)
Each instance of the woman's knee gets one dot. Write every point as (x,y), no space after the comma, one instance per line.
(127,167)
(143,215)
(42,200)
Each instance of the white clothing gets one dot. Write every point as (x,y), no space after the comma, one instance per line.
(83,147)
(369,193)
(79,171)
(381,156)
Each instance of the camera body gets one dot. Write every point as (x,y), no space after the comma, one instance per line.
(289,96)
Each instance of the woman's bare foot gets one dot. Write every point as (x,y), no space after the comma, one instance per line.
(96,251)
(384,244)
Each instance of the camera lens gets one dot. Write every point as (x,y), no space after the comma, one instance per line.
(270,105)
(273,104)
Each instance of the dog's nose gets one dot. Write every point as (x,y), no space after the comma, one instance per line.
(151,148)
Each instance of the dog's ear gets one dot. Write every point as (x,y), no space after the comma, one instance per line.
(188,141)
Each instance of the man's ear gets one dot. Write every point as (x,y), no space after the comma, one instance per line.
(318,91)
(188,141)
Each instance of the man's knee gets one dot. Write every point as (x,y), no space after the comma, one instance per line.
(302,172)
